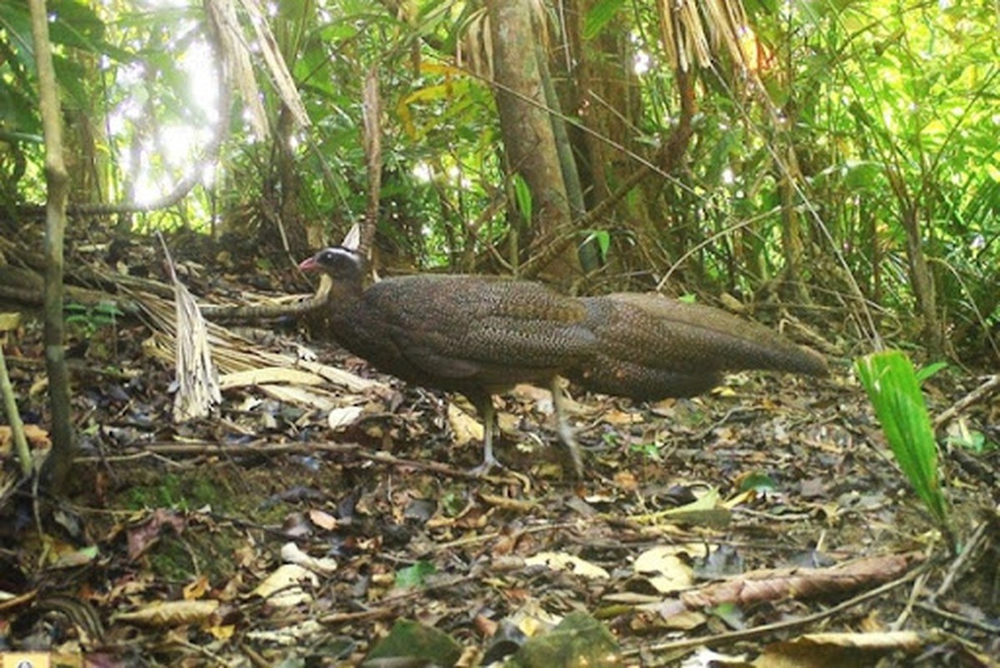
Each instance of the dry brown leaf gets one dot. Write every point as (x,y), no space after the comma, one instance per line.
(466,427)
(170,613)
(301,396)
(268,375)
(344,416)
(666,567)
(197,589)
(828,650)
(292,554)
(36,436)
(282,588)
(800,583)
(323,520)
(561,561)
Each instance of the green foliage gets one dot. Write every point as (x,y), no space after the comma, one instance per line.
(973,441)
(578,640)
(522,194)
(91,318)
(883,112)
(452,503)
(600,15)
(410,643)
(600,237)
(759,482)
(893,388)
(649,450)
(415,575)
(926,372)
(179,493)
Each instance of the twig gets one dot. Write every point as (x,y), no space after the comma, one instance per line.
(736,636)
(387,605)
(959,619)
(959,565)
(210,448)
(14,416)
(992,384)
(918,587)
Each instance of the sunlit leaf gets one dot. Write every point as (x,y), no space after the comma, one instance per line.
(599,16)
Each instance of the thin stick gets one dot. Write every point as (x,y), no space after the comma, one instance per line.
(209,448)
(736,636)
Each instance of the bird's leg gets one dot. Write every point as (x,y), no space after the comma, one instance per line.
(566,434)
(484,406)
(489,428)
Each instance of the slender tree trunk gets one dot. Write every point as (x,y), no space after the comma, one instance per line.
(791,227)
(923,283)
(527,132)
(57,180)
(920,274)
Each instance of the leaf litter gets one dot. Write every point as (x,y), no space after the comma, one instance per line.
(327,516)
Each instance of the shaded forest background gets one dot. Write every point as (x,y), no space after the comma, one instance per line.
(838,158)
(830,168)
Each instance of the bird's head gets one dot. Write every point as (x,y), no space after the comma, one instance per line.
(337,262)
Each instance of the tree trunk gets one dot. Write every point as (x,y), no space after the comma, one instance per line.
(923,283)
(60,459)
(920,274)
(527,134)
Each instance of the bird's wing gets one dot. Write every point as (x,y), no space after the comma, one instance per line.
(687,337)
(461,327)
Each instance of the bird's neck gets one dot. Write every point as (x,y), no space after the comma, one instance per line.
(347,290)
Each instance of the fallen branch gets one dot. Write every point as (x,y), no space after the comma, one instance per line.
(747,634)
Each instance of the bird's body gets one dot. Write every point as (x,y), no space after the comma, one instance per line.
(653,347)
(480,336)
(463,333)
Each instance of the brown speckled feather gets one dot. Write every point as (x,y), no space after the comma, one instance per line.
(652,347)
(463,332)
(479,336)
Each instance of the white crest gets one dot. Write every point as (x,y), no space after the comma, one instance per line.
(353,238)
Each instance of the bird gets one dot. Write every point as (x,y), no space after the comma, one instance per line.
(479,336)
(475,335)
(652,347)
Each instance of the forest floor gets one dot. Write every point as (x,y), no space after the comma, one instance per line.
(764,524)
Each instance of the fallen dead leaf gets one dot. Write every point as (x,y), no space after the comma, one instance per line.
(323,520)
(827,650)
(267,376)
(283,587)
(292,554)
(560,561)
(170,613)
(465,427)
(344,416)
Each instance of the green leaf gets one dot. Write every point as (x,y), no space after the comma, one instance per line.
(578,640)
(413,644)
(523,195)
(602,238)
(415,575)
(894,391)
(925,372)
(759,482)
(599,16)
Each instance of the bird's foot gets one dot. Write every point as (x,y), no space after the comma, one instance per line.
(568,438)
(489,465)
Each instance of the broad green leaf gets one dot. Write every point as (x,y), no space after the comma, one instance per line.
(893,388)
(599,16)
(415,575)
(523,194)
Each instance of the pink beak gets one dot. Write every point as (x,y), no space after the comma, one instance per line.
(309,264)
